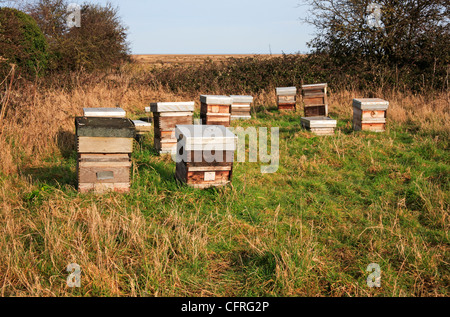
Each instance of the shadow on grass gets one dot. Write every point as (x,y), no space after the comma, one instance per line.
(345,126)
(67,143)
(54,176)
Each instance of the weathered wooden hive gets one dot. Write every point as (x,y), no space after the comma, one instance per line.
(104,112)
(215,110)
(166,115)
(286,98)
(319,125)
(240,109)
(370,114)
(315,100)
(205,155)
(104,153)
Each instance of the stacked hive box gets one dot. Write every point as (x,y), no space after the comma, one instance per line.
(286,98)
(104,149)
(166,115)
(315,100)
(319,125)
(240,109)
(205,155)
(370,114)
(215,110)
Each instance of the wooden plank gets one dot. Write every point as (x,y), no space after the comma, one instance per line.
(104,164)
(286,99)
(238,99)
(216,100)
(374,127)
(210,168)
(286,91)
(314,101)
(199,177)
(104,112)
(93,174)
(370,104)
(240,117)
(103,157)
(104,145)
(287,107)
(314,111)
(101,188)
(175,114)
(169,123)
(104,127)
(172,106)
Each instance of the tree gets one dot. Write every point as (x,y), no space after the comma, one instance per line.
(409,33)
(99,42)
(21,43)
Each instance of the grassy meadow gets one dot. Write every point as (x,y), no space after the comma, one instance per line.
(335,205)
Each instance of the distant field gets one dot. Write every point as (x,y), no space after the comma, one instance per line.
(187,59)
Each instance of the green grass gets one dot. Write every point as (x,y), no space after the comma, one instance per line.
(335,205)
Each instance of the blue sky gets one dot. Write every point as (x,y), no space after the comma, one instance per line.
(214,27)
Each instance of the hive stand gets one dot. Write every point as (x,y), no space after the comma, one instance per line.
(315,100)
(205,155)
(215,110)
(166,115)
(369,114)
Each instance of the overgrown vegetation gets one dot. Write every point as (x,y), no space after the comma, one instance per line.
(98,43)
(21,43)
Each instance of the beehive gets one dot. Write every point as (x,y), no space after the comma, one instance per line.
(370,114)
(286,98)
(166,115)
(240,109)
(315,100)
(142,127)
(319,125)
(215,110)
(104,149)
(104,112)
(205,155)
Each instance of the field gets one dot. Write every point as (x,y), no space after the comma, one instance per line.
(158,60)
(335,205)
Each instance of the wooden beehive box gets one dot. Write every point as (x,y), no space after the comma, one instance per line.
(104,150)
(369,114)
(240,109)
(205,155)
(104,112)
(315,100)
(142,127)
(215,110)
(286,98)
(166,115)
(319,125)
